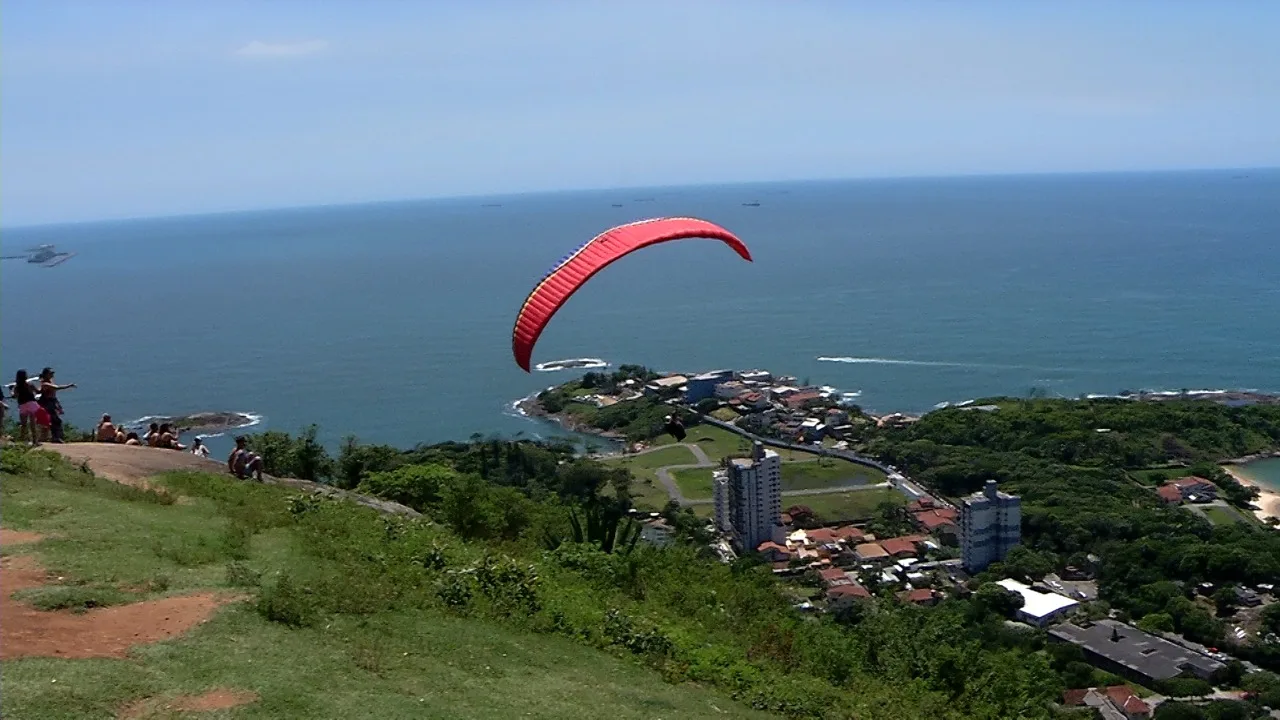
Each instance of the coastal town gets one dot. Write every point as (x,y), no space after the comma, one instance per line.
(920,547)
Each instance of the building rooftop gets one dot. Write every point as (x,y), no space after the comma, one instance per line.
(870,550)
(934,519)
(899,546)
(1035,603)
(1141,652)
(1169,493)
(833,576)
(989,491)
(850,590)
(919,595)
(670,382)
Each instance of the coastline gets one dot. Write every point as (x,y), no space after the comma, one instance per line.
(1268,501)
(530,407)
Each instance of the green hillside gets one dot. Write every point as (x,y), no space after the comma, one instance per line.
(364,649)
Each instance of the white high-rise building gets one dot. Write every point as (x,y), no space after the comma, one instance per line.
(748,498)
(990,524)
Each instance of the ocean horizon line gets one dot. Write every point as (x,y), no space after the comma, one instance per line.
(536,194)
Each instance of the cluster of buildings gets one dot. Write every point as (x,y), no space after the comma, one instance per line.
(776,406)
(748,511)
(1189,489)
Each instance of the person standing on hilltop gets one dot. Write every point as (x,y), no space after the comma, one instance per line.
(27,408)
(49,401)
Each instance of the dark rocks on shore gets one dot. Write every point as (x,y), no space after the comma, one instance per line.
(208,422)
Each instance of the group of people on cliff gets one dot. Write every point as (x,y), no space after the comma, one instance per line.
(40,420)
(157,436)
(39,410)
(242,462)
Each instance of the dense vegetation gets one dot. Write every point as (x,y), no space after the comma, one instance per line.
(563,559)
(563,515)
(1077,498)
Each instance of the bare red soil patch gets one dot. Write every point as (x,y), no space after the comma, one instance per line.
(218,699)
(18,537)
(102,632)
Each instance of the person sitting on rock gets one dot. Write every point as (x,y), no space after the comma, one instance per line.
(152,438)
(243,462)
(169,438)
(132,439)
(106,431)
(199,448)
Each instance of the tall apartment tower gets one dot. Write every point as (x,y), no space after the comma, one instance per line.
(748,498)
(990,524)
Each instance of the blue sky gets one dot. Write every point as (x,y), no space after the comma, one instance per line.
(136,108)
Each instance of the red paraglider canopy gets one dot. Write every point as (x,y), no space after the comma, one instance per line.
(577,268)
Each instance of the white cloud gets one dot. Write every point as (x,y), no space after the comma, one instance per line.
(259,49)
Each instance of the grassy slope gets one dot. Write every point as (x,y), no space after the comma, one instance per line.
(800,475)
(386,664)
(856,505)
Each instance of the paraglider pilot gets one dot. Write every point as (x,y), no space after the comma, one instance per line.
(675,428)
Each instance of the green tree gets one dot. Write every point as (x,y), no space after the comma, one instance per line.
(993,598)
(286,456)
(417,486)
(356,461)
(1157,622)
(1271,618)
(1225,600)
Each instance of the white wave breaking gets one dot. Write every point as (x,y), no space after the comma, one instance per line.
(896,361)
(853,360)
(571,364)
(251,420)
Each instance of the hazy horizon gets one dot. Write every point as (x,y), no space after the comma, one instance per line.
(138,109)
(628,188)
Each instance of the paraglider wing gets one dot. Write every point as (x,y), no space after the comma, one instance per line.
(574,270)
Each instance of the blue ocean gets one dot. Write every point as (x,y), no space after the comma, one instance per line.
(392,321)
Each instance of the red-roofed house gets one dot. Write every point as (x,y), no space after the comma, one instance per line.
(843,596)
(1123,699)
(832,577)
(919,596)
(1170,494)
(849,534)
(850,590)
(821,536)
(924,503)
(1195,489)
(774,552)
(899,547)
(939,520)
(800,399)
(1075,698)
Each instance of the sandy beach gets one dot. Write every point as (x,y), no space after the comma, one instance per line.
(1268,500)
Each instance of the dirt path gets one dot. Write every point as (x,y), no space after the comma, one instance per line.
(104,632)
(133,465)
(218,699)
